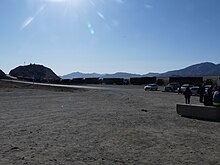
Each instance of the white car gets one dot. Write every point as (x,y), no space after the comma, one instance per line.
(184,86)
(151,87)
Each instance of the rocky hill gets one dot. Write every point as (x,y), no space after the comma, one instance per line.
(2,74)
(35,72)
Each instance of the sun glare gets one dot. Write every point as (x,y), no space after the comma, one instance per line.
(71,9)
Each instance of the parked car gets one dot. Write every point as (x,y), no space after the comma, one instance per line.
(168,88)
(151,87)
(172,87)
(194,90)
(175,85)
(184,86)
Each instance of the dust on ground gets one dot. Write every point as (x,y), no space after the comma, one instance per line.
(125,125)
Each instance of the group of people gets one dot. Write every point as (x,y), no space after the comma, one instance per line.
(208,97)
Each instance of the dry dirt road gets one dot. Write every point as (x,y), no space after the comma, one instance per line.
(125,125)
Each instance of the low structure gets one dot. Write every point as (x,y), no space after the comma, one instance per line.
(78,81)
(92,80)
(209,113)
(112,81)
(197,81)
(143,80)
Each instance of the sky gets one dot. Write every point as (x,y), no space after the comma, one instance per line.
(108,36)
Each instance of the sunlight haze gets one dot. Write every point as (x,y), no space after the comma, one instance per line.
(107,36)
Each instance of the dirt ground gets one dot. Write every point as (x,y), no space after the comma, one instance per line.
(122,125)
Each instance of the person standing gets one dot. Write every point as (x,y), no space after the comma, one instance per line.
(201,93)
(208,97)
(187,93)
(179,90)
(216,97)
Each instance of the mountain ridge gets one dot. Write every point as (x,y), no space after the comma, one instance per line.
(200,69)
(114,75)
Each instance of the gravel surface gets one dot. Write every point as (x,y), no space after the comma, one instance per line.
(122,125)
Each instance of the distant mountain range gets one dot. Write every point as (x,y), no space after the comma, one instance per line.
(202,69)
(41,72)
(115,75)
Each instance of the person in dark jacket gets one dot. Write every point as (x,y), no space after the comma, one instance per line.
(187,93)
(201,92)
(208,97)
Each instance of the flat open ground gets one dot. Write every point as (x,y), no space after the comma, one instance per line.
(122,125)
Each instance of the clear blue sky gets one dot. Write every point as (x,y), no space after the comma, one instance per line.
(107,36)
